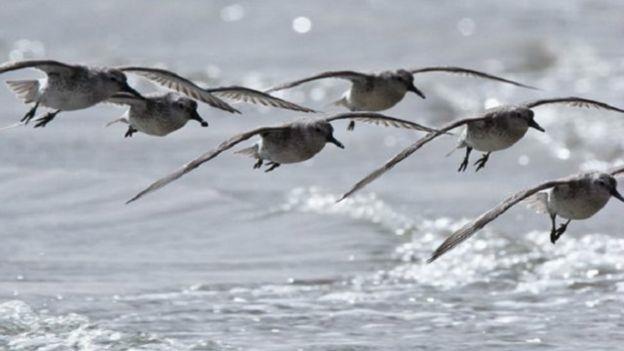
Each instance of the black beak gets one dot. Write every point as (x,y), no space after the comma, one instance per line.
(334,141)
(617,195)
(415,90)
(130,90)
(534,124)
(197,117)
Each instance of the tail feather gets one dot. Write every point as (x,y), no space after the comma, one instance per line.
(251,151)
(538,202)
(118,120)
(26,90)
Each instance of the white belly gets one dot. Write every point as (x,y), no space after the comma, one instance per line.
(156,126)
(288,151)
(68,98)
(490,139)
(376,99)
(581,205)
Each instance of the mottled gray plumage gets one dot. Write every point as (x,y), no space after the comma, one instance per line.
(574,197)
(496,129)
(378,92)
(158,114)
(289,143)
(211,96)
(66,87)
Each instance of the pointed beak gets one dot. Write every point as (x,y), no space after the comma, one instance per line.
(415,90)
(197,117)
(617,195)
(334,141)
(534,124)
(131,90)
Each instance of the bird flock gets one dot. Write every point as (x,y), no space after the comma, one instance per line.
(68,87)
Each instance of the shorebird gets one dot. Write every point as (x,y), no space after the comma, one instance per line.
(211,96)
(289,143)
(575,197)
(66,87)
(496,129)
(156,115)
(378,92)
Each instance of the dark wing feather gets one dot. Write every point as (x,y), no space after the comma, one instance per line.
(256,97)
(348,75)
(472,73)
(404,154)
(471,228)
(203,158)
(46,66)
(182,85)
(575,102)
(125,99)
(617,171)
(381,120)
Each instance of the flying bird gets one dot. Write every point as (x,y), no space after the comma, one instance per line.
(573,198)
(156,115)
(66,87)
(212,96)
(289,143)
(496,129)
(378,92)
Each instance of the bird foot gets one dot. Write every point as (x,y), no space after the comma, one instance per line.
(351,126)
(463,165)
(45,119)
(481,162)
(272,166)
(555,234)
(130,132)
(29,115)
(258,164)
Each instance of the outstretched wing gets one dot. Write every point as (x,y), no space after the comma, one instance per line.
(617,171)
(381,120)
(182,85)
(404,154)
(256,97)
(575,102)
(203,158)
(348,75)
(469,229)
(125,99)
(47,66)
(470,72)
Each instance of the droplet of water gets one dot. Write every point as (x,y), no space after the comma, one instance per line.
(302,24)
(466,26)
(232,13)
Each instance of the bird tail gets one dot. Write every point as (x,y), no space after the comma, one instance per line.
(538,202)
(26,90)
(118,120)
(251,151)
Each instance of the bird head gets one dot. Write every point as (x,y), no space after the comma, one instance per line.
(608,182)
(188,107)
(407,79)
(326,130)
(120,81)
(528,116)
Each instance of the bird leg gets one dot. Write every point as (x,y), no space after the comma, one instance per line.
(272,166)
(351,126)
(131,130)
(30,114)
(258,164)
(43,121)
(555,234)
(482,161)
(464,164)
